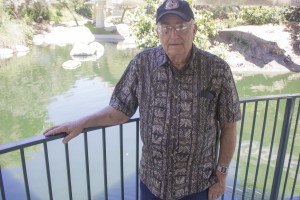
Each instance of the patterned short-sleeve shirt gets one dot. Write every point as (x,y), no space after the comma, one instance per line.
(179,112)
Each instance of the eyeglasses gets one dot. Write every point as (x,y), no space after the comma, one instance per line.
(180,29)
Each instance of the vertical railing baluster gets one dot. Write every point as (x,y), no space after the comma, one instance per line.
(239,151)
(104,163)
(121,162)
(298,165)
(291,154)
(137,159)
(68,171)
(87,166)
(296,177)
(288,113)
(48,171)
(271,147)
(260,147)
(250,148)
(25,173)
(2,185)
(218,133)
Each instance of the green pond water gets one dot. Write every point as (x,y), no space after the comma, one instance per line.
(37,92)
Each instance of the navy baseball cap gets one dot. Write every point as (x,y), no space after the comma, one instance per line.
(176,7)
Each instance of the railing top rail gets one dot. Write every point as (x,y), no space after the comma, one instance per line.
(269,97)
(5,148)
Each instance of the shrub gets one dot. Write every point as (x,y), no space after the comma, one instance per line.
(261,14)
(207,27)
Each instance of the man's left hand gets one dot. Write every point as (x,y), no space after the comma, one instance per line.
(217,189)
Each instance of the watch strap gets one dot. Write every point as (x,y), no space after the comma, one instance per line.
(223,169)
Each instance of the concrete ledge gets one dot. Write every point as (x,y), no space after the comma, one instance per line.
(109,38)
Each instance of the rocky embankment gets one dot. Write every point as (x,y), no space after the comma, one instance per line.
(265,48)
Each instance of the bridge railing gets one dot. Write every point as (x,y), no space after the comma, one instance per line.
(102,163)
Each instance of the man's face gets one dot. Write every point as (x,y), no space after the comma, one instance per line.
(176,35)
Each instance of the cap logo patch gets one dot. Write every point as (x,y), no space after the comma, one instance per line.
(171,4)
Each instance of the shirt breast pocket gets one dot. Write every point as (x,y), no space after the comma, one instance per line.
(208,100)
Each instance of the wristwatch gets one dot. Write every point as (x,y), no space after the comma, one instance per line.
(223,169)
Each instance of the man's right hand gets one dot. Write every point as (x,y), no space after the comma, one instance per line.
(73,129)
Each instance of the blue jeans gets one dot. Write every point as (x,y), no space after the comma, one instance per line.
(145,194)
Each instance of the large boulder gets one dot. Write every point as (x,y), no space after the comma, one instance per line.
(6,53)
(61,35)
(84,52)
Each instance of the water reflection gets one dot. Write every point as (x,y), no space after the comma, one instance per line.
(37,92)
(249,85)
(30,85)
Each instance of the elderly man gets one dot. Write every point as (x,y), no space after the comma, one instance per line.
(184,95)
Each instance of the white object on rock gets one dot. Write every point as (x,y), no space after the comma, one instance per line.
(93,49)
(71,64)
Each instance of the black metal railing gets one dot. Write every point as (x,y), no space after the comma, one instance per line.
(268,134)
(265,165)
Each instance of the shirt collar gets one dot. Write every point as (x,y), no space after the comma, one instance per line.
(164,58)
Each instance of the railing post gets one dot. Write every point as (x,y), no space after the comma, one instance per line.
(288,114)
(2,186)
(137,159)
